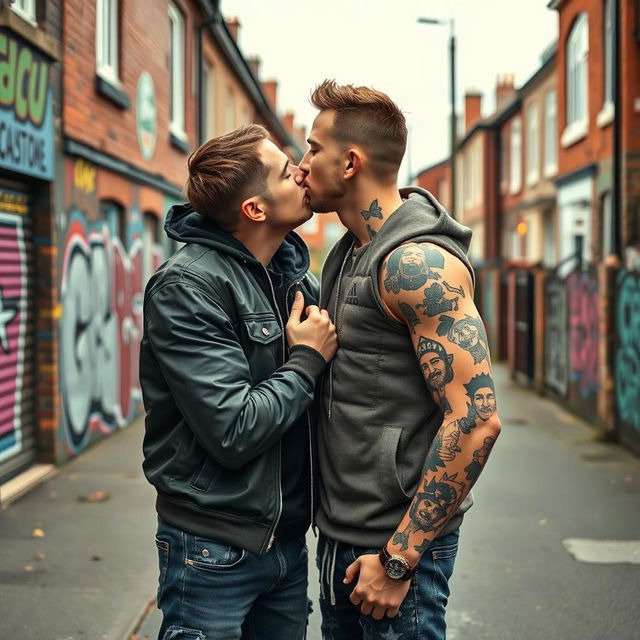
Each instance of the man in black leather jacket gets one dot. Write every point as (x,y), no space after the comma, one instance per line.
(228,368)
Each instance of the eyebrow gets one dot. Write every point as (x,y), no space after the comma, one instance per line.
(284,169)
(312,143)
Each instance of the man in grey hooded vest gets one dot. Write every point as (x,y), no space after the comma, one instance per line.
(408,414)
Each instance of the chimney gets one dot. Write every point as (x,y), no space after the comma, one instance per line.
(254,64)
(505,90)
(287,121)
(472,108)
(270,88)
(233,24)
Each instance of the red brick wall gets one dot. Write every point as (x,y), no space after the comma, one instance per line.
(92,118)
(430,179)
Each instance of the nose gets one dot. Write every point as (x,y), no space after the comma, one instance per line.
(304,163)
(298,174)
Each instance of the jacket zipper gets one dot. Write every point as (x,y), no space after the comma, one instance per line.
(275,523)
(335,320)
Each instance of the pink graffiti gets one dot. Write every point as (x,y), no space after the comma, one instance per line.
(13,287)
(583,332)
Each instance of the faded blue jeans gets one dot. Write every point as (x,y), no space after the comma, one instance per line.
(422,614)
(213,591)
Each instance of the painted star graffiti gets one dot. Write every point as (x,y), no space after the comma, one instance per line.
(7,314)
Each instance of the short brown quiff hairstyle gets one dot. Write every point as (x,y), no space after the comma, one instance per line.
(224,171)
(366,117)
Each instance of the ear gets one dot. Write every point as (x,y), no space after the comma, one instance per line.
(253,209)
(353,163)
(450,357)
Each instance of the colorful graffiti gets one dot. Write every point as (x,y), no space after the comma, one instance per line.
(627,355)
(108,255)
(100,330)
(582,297)
(555,335)
(13,300)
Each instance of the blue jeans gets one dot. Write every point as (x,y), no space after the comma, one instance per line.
(214,591)
(421,616)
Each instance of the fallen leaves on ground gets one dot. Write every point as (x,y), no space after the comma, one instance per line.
(96,496)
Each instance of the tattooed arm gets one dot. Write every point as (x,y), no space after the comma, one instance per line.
(430,290)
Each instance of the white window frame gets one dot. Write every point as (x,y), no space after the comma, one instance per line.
(107,40)
(176,71)
(533,145)
(209,100)
(607,113)
(26,9)
(577,107)
(550,129)
(516,156)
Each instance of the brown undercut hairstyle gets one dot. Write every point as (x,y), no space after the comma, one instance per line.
(368,118)
(224,171)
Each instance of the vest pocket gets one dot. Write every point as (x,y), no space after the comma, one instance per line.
(388,478)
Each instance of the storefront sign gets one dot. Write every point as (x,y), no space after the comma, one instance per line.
(26,118)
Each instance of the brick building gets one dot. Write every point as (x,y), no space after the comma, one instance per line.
(30,52)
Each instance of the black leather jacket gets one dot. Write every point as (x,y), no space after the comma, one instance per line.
(220,387)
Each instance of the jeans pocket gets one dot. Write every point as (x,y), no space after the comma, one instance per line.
(163,562)
(214,556)
(443,559)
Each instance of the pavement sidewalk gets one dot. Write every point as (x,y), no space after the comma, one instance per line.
(93,574)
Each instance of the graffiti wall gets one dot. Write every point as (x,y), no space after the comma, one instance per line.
(582,307)
(555,335)
(627,357)
(107,244)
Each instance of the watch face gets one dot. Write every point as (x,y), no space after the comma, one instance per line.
(396,567)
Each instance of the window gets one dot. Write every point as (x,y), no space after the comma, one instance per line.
(176,71)
(608,52)
(230,112)
(516,161)
(209,102)
(550,151)
(577,49)
(504,162)
(532,145)
(107,39)
(606,217)
(466,177)
(607,113)
(25,9)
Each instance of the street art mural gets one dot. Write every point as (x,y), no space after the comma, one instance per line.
(555,335)
(582,306)
(102,289)
(627,356)
(13,320)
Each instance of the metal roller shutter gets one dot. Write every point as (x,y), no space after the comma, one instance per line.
(17,342)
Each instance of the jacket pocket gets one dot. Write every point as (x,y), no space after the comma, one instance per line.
(388,477)
(202,479)
(262,329)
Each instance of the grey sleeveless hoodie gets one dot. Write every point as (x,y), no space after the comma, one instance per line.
(377,417)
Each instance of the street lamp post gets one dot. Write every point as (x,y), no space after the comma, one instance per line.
(452,124)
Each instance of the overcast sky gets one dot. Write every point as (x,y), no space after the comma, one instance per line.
(379,43)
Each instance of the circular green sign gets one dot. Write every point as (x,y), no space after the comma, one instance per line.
(146,116)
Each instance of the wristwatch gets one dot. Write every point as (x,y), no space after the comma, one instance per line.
(396,567)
